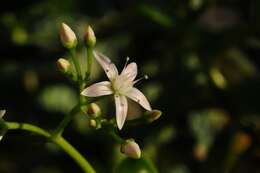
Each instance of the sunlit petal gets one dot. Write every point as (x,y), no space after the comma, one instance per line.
(2,112)
(139,97)
(107,65)
(98,89)
(121,110)
(130,71)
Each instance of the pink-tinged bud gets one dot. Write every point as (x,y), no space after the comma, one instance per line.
(67,36)
(153,115)
(63,65)
(89,37)
(2,112)
(131,149)
(94,110)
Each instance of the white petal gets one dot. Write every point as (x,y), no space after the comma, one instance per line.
(139,97)
(121,110)
(107,65)
(98,89)
(130,71)
(2,112)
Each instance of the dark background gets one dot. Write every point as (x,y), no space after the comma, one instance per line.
(202,57)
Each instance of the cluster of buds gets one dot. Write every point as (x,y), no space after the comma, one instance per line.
(69,39)
(94,112)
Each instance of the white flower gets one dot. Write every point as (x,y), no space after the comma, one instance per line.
(120,85)
(2,112)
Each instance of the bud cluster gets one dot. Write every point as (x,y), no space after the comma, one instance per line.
(69,41)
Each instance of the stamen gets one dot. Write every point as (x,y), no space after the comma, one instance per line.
(127,59)
(144,77)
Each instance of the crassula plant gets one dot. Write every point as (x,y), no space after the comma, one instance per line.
(120,85)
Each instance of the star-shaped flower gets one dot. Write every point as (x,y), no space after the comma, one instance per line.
(120,85)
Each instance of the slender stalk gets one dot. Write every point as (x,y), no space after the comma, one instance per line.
(115,136)
(89,51)
(60,141)
(59,130)
(76,63)
(27,127)
(69,149)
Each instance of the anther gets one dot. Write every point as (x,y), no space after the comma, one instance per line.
(144,77)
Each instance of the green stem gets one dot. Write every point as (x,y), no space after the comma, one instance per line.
(76,63)
(60,141)
(69,149)
(116,136)
(27,127)
(59,130)
(89,61)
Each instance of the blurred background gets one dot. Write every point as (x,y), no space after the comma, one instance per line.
(202,57)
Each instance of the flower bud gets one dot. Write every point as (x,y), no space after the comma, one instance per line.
(153,115)
(89,37)
(131,149)
(92,123)
(67,36)
(95,124)
(63,65)
(94,110)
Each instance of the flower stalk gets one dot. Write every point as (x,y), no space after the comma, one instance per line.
(59,130)
(89,51)
(60,141)
(76,64)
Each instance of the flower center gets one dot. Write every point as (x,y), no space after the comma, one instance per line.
(121,84)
